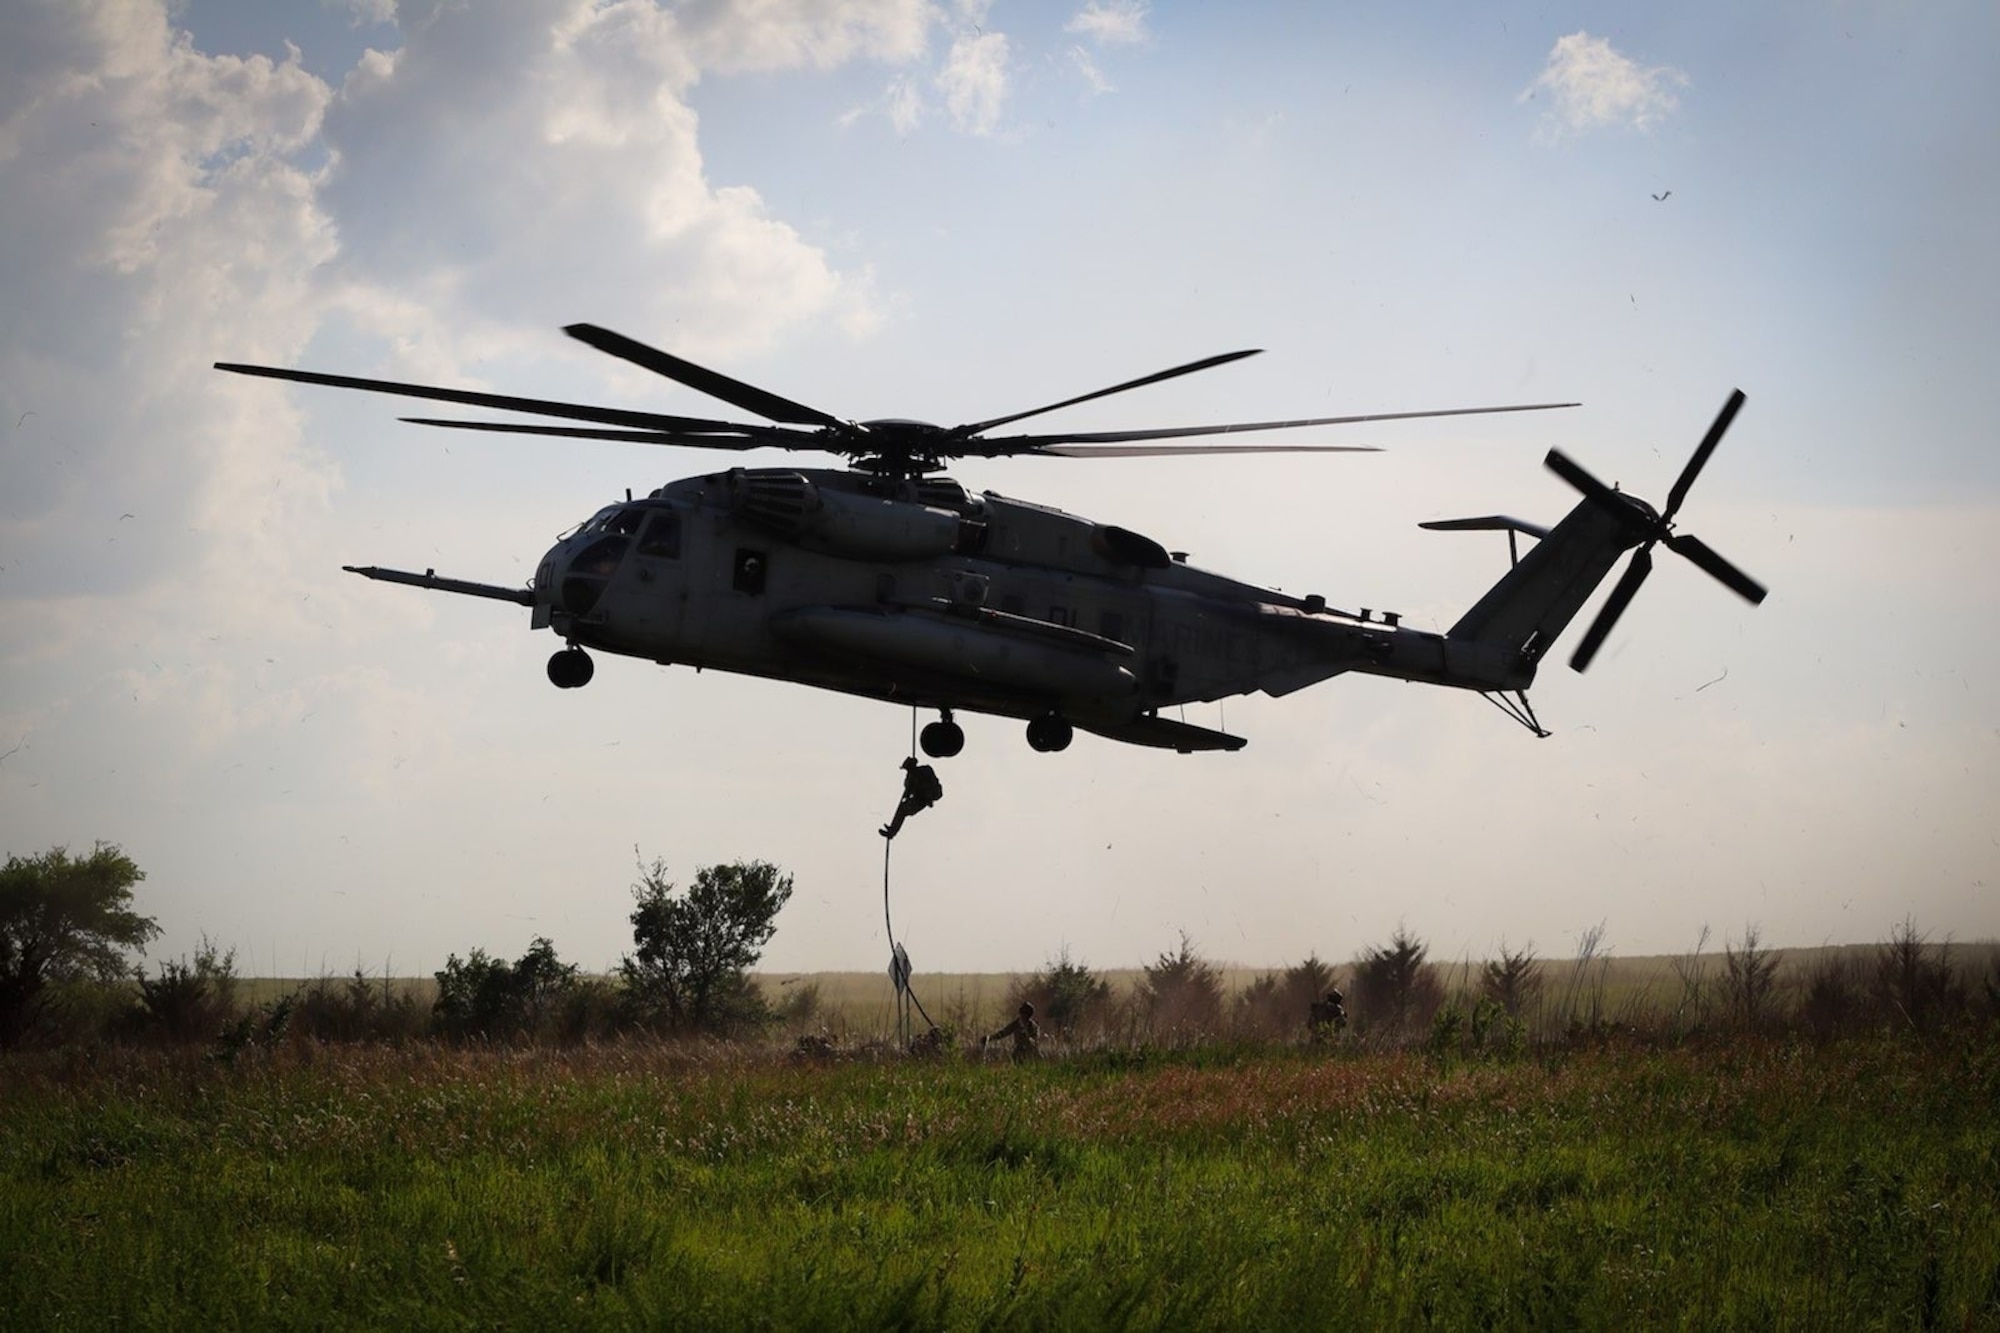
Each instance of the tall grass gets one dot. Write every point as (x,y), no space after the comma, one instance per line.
(1746,1182)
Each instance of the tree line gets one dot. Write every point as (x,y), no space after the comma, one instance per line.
(1394,995)
(68,924)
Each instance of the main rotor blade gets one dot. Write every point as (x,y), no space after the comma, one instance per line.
(473,398)
(1014,444)
(1176,450)
(1700,458)
(734,392)
(682,438)
(1204,364)
(1702,554)
(1614,607)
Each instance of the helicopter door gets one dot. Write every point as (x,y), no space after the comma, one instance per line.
(656,560)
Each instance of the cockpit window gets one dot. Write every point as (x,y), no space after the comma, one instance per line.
(600,558)
(663,536)
(626,521)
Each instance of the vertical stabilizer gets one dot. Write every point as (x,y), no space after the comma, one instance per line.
(1535,600)
(1527,609)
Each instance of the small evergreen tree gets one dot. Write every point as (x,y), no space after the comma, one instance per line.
(1749,979)
(1830,1003)
(1914,986)
(1279,1004)
(1394,992)
(1068,996)
(1513,980)
(191,1001)
(1181,993)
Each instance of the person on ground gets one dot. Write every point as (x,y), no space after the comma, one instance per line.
(1027,1034)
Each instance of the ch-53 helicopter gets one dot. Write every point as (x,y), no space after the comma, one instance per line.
(889,580)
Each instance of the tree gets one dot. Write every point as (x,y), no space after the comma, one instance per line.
(63,918)
(695,948)
(1182,992)
(1749,979)
(1914,985)
(1279,1004)
(489,997)
(1067,996)
(191,1002)
(1393,990)
(1513,980)
(1831,1001)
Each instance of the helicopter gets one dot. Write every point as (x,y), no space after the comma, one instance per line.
(889,580)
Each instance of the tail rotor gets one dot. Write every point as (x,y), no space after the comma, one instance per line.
(1652,528)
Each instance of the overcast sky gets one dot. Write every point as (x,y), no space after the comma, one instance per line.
(951,211)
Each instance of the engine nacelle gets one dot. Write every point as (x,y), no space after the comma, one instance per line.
(859,527)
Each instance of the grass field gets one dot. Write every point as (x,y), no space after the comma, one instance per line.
(1727,1184)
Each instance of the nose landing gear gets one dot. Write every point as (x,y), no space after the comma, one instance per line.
(571,669)
(943,738)
(1049,733)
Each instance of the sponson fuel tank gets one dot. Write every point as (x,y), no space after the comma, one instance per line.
(842,523)
(955,647)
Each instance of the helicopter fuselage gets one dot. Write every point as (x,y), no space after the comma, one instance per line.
(917,592)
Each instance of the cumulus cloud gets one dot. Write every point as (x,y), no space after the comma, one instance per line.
(170,537)
(169,208)
(157,215)
(735,35)
(582,109)
(1111,22)
(1590,86)
(974,81)
(365,12)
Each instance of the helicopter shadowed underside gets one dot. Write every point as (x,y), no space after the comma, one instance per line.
(888,580)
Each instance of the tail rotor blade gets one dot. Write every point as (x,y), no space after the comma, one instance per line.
(1572,472)
(1703,555)
(1700,458)
(1614,607)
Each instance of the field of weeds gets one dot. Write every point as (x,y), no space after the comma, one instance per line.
(1733,1183)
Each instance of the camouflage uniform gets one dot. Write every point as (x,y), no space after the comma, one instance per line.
(1025,1032)
(1327,1016)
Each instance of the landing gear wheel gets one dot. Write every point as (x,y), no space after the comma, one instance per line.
(1049,733)
(571,669)
(942,739)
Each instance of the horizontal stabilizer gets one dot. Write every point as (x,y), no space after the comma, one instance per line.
(429,579)
(1166,734)
(1488,523)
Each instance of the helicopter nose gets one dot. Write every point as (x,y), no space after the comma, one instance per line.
(575,573)
(544,588)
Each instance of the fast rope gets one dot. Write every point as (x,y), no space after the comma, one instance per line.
(899,961)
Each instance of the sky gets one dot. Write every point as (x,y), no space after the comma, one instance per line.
(950,211)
